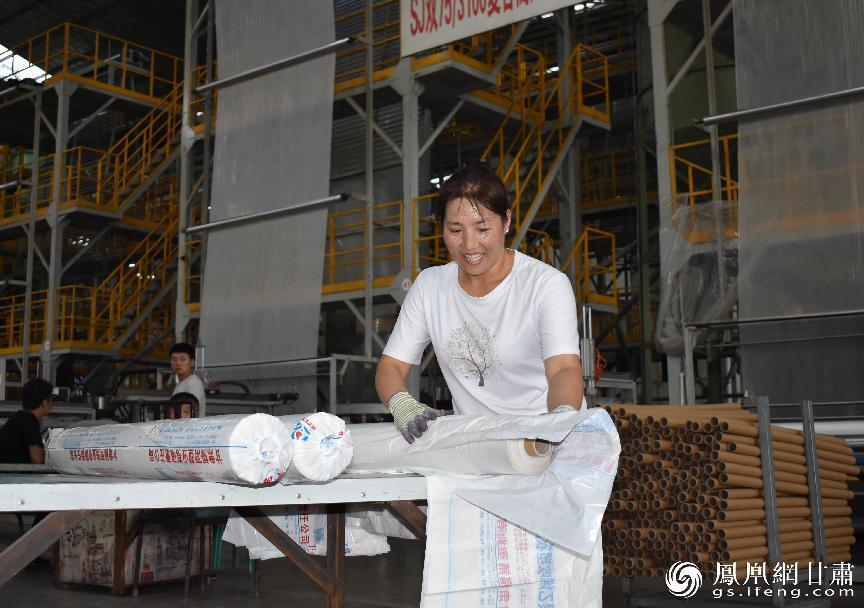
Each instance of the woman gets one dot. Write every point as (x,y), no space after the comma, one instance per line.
(503,325)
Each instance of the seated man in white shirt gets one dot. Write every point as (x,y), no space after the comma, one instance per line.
(183,364)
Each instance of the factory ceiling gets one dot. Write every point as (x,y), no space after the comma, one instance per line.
(158,24)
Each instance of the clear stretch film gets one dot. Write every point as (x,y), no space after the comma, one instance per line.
(322,446)
(254,449)
(496,457)
(377,446)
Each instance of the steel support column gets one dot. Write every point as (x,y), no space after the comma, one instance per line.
(658,10)
(407,86)
(714,133)
(646,329)
(31,239)
(187,141)
(570,214)
(64,90)
(369,275)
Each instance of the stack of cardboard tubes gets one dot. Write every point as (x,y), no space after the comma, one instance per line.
(689,488)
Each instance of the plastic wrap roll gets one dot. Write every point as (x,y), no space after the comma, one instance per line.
(254,449)
(322,446)
(375,449)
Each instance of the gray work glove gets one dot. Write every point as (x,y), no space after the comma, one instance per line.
(411,417)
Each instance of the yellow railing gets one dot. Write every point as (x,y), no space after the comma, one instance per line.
(97,178)
(11,158)
(79,53)
(345,250)
(157,202)
(347,241)
(151,139)
(13,168)
(520,152)
(595,282)
(539,244)
(691,174)
(521,80)
(143,272)
(82,172)
(351,63)
(480,50)
(609,178)
(77,321)
(429,248)
(95,316)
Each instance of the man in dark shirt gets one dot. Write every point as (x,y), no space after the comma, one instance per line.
(21,436)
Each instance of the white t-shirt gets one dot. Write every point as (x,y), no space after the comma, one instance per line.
(491,349)
(194,385)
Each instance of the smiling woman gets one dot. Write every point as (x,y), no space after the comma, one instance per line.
(476,216)
(503,325)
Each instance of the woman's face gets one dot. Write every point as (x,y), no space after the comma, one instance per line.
(474,236)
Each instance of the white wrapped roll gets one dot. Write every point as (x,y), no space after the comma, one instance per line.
(322,446)
(378,447)
(254,449)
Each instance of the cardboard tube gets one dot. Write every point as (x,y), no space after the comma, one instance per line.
(741,448)
(836,541)
(731,493)
(733,438)
(689,504)
(794,547)
(537,447)
(798,458)
(740,531)
(833,558)
(779,465)
(837,521)
(839,531)
(743,515)
(802,489)
(741,504)
(743,554)
(742,481)
(794,525)
(733,427)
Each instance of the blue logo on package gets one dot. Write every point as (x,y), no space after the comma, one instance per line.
(301,432)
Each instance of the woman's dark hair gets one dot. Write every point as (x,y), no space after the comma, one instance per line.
(479,185)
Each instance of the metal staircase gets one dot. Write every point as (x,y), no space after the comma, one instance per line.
(131,183)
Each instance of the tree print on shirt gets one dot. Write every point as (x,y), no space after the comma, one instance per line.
(470,350)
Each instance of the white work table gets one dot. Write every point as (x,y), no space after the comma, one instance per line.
(52,492)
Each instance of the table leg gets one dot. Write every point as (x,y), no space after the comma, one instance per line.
(36,540)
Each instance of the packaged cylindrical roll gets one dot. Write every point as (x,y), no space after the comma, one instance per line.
(322,446)
(248,449)
(377,448)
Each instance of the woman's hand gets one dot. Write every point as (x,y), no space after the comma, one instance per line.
(412,418)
